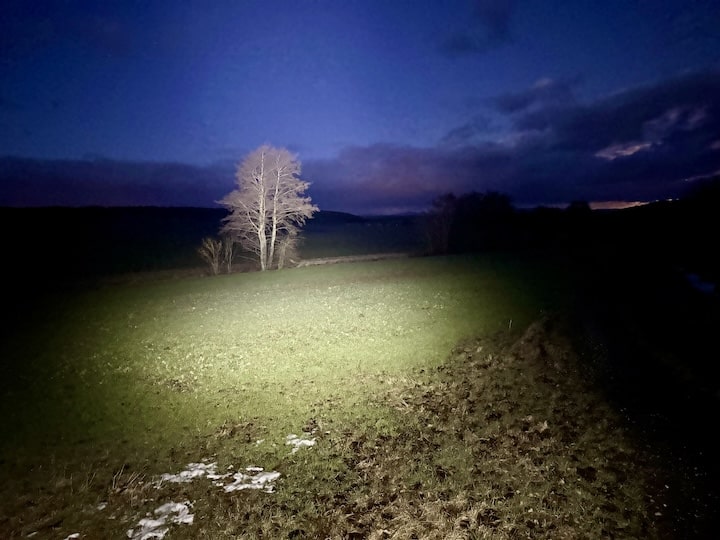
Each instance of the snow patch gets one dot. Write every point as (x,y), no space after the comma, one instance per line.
(298,443)
(252,478)
(193,471)
(168,513)
(259,480)
(179,513)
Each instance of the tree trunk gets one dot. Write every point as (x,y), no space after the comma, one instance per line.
(262,237)
(274,222)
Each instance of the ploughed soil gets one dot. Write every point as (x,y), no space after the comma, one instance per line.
(547,451)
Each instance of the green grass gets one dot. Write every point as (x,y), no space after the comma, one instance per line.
(108,388)
(163,355)
(374,235)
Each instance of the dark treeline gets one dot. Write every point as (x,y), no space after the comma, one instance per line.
(46,245)
(678,233)
(471,222)
(42,245)
(489,222)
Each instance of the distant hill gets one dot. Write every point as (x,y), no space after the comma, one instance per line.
(330,217)
(88,241)
(91,241)
(58,242)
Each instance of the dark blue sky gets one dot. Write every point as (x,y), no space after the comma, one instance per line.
(388,103)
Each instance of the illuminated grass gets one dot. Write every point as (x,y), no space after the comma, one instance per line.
(116,386)
(267,345)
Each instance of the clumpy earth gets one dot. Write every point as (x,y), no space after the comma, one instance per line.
(522,444)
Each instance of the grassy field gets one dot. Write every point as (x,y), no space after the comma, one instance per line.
(440,399)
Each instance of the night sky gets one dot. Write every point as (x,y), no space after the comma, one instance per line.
(388,103)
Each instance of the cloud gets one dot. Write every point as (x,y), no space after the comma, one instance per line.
(102,182)
(477,127)
(383,178)
(641,144)
(637,145)
(639,114)
(545,92)
(488,28)
(622,150)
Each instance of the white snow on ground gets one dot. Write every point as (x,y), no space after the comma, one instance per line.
(171,512)
(179,513)
(260,480)
(298,443)
(252,478)
(193,471)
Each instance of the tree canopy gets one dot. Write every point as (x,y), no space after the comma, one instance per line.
(269,206)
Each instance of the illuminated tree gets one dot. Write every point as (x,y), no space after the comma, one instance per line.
(210,250)
(216,252)
(269,206)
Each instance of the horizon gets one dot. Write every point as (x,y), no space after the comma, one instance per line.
(594,205)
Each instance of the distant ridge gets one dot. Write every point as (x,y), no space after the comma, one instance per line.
(331,217)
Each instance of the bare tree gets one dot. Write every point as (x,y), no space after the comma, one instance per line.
(211,252)
(269,206)
(287,249)
(218,252)
(228,252)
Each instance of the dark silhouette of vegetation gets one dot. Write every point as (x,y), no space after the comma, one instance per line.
(471,222)
(579,208)
(439,222)
(705,192)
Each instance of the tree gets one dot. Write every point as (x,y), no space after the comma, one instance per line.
(210,250)
(438,223)
(228,252)
(269,207)
(470,222)
(216,252)
(482,221)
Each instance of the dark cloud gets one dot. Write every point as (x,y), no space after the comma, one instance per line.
(102,182)
(387,178)
(477,127)
(489,27)
(640,144)
(643,143)
(677,106)
(692,25)
(544,93)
